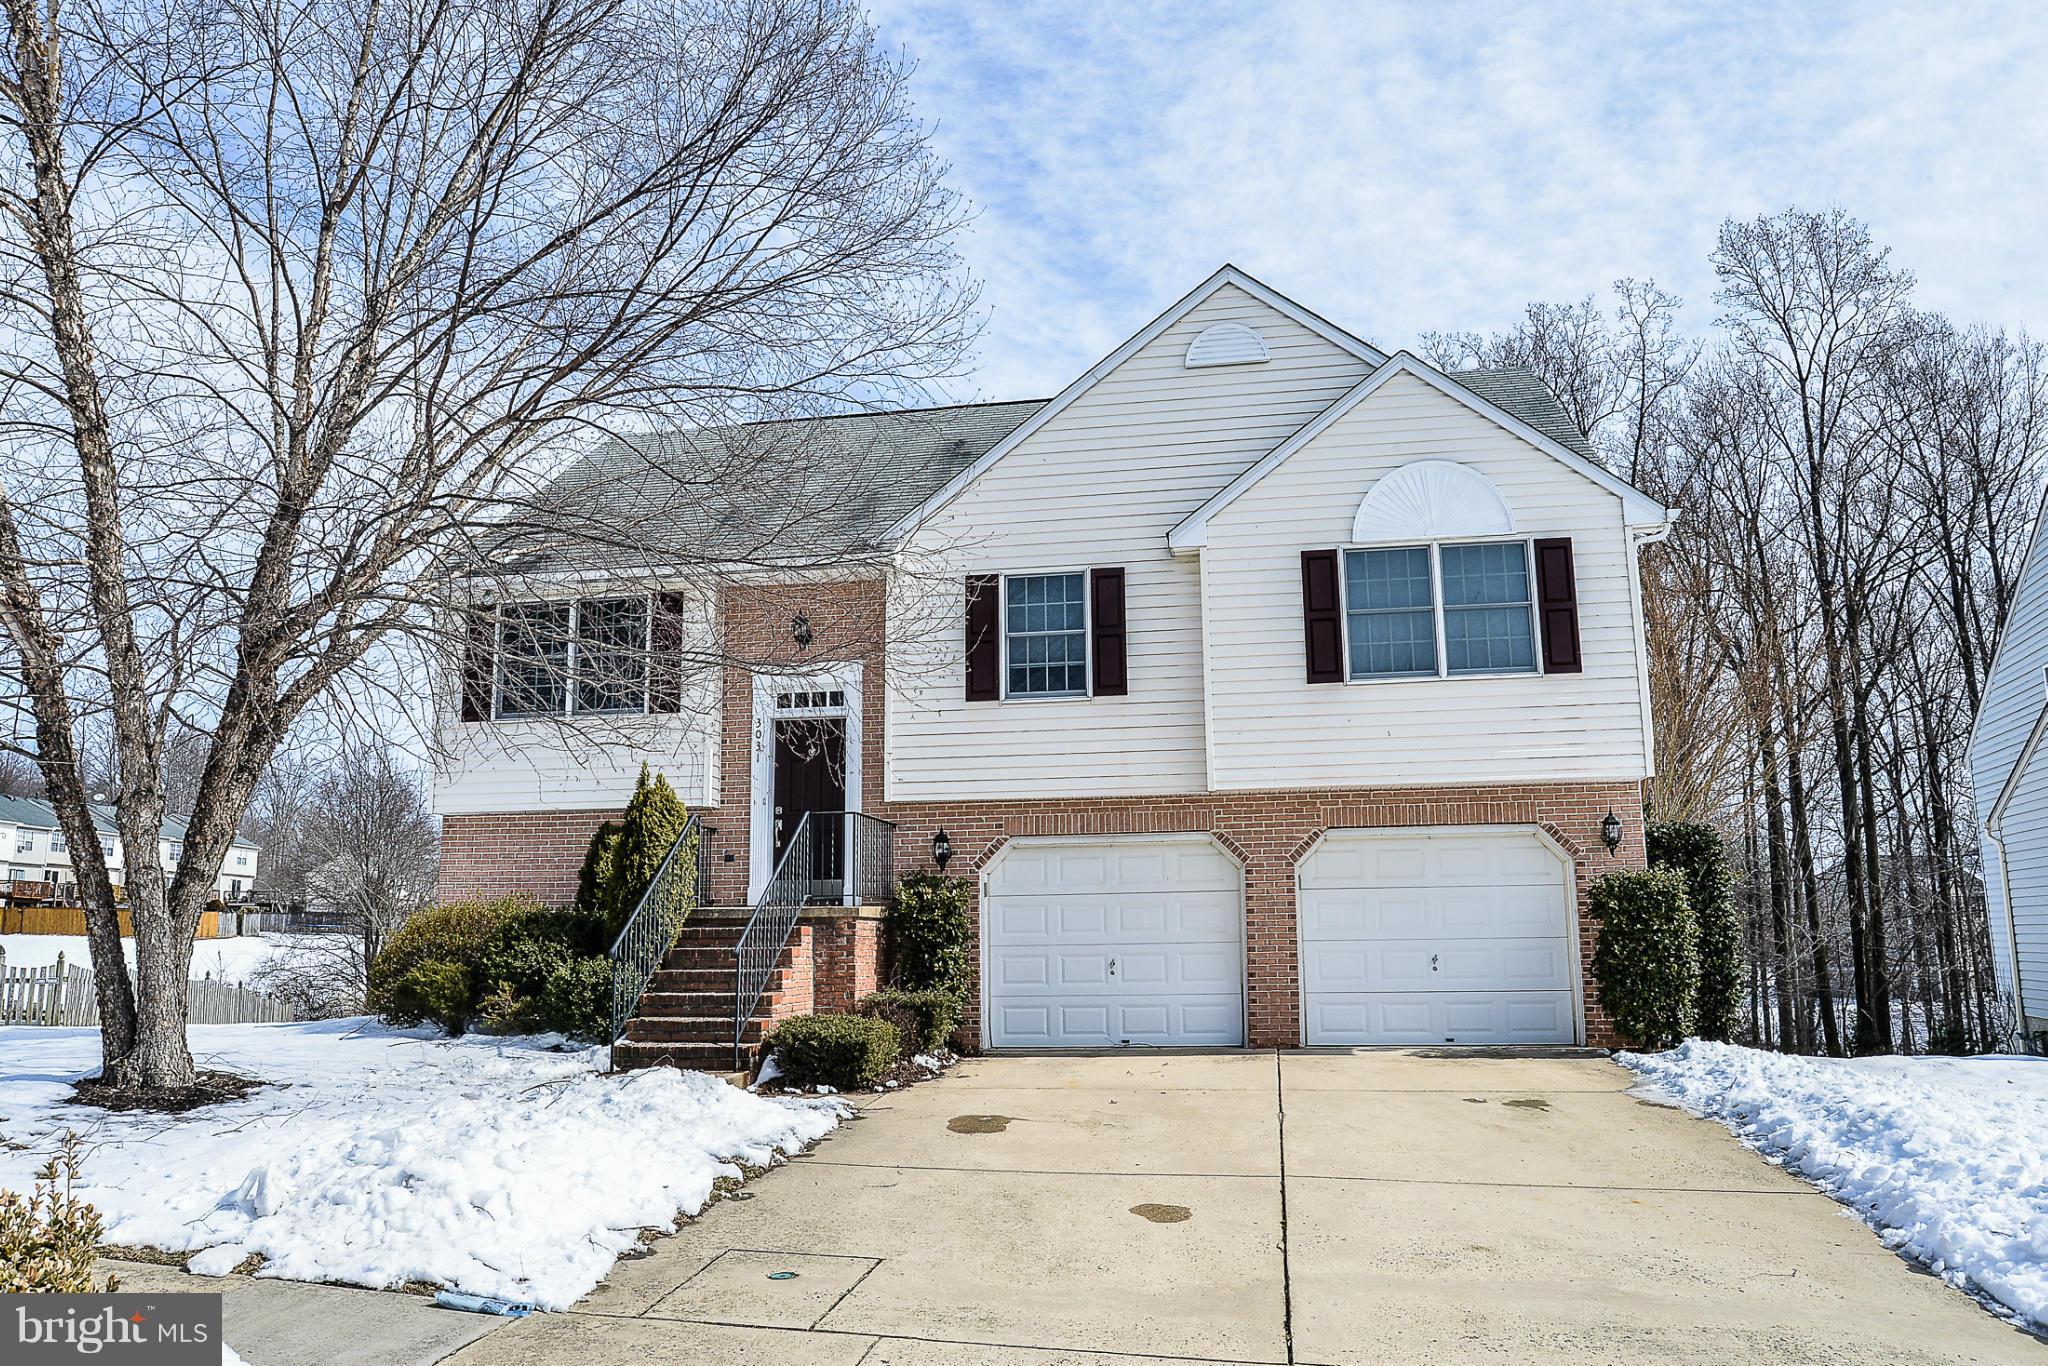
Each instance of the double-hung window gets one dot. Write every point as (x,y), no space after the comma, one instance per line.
(24,842)
(1444,610)
(585,656)
(1045,635)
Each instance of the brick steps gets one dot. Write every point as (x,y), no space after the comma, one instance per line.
(684,1018)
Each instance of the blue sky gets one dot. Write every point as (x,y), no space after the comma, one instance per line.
(1402,167)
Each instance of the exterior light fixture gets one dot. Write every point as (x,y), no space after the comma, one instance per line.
(942,850)
(800,630)
(1610,831)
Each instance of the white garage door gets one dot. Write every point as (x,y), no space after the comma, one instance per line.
(1094,943)
(1434,937)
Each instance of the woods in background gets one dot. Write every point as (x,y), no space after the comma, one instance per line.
(1857,480)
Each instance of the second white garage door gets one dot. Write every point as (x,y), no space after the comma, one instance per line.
(1453,936)
(1093,943)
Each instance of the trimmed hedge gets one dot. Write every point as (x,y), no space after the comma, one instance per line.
(1697,853)
(925,1020)
(929,934)
(425,972)
(1646,962)
(846,1052)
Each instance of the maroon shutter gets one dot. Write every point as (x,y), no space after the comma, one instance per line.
(1106,608)
(1557,605)
(477,652)
(984,640)
(1322,616)
(665,655)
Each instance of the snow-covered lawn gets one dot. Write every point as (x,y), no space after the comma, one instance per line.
(224,960)
(381,1156)
(1947,1158)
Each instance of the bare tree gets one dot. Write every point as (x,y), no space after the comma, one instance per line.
(303,297)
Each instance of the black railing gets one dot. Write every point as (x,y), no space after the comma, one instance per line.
(832,857)
(651,930)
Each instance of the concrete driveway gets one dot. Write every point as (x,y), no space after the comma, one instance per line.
(1320,1207)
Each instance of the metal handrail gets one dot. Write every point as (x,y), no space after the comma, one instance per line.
(650,932)
(861,874)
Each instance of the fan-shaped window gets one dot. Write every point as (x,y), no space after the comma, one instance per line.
(1226,344)
(1431,500)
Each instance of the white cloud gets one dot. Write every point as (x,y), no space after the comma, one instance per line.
(1405,167)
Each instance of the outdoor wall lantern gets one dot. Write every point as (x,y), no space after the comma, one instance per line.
(1610,831)
(800,630)
(942,850)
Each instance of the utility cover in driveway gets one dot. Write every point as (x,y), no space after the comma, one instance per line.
(1106,942)
(1436,936)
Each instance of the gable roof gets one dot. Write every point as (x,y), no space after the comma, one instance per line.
(1226,275)
(37,814)
(1488,393)
(772,493)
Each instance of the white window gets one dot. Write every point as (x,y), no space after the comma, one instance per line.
(177,851)
(583,656)
(17,874)
(24,841)
(1045,635)
(241,860)
(107,845)
(57,844)
(1443,610)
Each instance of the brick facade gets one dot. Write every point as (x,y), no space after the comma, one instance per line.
(1267,832)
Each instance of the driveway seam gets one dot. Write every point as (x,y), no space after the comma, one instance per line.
(1043,1171)
(1555,1185)
(1286,1270)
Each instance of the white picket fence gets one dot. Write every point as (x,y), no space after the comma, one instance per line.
(62,994)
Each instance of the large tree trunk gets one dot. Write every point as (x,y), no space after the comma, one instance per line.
(1780,873)
(1802,843)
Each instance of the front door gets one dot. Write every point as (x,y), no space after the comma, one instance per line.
(810,776)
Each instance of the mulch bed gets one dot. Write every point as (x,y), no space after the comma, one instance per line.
(210,1088)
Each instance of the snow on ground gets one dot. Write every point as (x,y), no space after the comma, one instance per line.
(380,1156)
(1942,1156)
(225,960)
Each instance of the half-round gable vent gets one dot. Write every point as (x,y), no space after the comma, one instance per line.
(1427,500)
(1226,344)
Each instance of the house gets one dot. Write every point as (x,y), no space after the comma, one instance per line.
(1269,689)
(2009,781)
(34,846)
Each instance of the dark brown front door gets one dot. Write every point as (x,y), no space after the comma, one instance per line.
(810,775)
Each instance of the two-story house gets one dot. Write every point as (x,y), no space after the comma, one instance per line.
(35,850)
(1269,689)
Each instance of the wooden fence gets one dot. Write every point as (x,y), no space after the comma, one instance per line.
(62,994)
(71,920)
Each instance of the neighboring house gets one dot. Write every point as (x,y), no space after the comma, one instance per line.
(1269,689)
(34,848)
(2009,780)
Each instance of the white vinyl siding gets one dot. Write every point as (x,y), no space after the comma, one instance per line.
(1105,481)
(1270,728)
(2014,695)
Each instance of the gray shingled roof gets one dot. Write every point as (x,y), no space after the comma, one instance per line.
(37,814)
(777,494)
(1519,393)
(811,490)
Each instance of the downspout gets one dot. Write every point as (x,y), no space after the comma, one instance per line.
(2012,928)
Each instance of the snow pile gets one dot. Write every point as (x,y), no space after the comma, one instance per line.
(1942,1156)
(381,1156)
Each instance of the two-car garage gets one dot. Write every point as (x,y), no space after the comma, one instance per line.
(1459,935)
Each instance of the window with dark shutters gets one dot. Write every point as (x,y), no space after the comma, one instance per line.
(665,655)
(984,639)
(1322,616)
(1557,605)
(1106,611)
(478,652)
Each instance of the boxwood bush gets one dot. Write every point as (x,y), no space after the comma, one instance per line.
(1646,961)
(929,934)
(426,971)
(846,1052)
(1696,852)
(924,1020)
